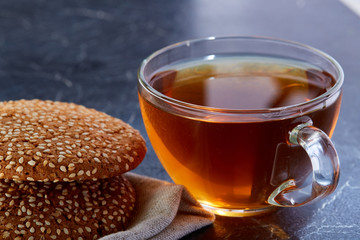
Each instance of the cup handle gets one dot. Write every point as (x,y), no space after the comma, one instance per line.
(325,166)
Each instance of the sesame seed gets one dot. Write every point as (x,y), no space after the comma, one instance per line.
(32,199)
(63,169)
(6,234)
(38,223)
(51,165)
(20,169)
(31,163)
(71,166)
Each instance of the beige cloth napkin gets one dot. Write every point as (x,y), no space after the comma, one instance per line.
(164,211)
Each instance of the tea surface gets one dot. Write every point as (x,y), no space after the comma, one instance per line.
(243,82)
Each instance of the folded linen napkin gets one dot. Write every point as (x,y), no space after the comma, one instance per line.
(164,211)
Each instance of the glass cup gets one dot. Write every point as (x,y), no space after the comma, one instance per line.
(243,161)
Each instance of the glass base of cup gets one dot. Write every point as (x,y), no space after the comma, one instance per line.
(245,212)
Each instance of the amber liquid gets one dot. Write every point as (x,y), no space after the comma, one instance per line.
(231,164)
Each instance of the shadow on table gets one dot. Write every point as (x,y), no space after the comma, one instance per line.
(281,224)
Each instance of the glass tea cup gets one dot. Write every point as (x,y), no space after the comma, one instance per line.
(244,122)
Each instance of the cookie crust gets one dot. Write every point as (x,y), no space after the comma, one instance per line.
(57,141)
(68,210)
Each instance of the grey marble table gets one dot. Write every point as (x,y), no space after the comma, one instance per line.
(88,52)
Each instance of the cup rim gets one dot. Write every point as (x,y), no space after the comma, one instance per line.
(277,111)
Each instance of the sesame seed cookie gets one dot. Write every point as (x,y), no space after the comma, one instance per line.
(68,210)
(57,141)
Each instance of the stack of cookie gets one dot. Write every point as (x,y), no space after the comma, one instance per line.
(60,171)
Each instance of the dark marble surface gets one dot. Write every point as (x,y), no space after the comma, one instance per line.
(88,52)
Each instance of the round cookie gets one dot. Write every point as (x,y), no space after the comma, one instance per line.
(57,141)
(68,210)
